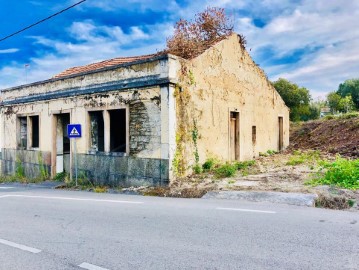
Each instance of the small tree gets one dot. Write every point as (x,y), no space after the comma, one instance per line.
(334,102)
(191,38)
(350,88)
(296,98)
(346,104)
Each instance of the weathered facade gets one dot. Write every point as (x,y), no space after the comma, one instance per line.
(144,120)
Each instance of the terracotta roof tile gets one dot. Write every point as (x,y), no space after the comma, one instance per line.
(102,64)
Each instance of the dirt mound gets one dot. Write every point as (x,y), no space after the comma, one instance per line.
(331,136)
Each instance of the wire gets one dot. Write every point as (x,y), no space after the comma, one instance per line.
(34,24)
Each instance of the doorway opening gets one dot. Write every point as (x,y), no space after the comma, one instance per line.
(280,137)
(62,143)
(234,136)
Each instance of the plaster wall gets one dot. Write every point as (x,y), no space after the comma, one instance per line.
(224,79)
(147,119)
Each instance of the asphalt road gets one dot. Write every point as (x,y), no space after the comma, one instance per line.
(53,229)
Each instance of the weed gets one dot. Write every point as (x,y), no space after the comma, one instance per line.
(351,202)
(197,169)
(333,202)
(209,164)
(191,77)
(100,189)
(231,181)
(19,171)
(244,164)
(349,115)
(226,170)
(43,171)
(300,157)
(342,173)
(329,117)
(62,176)
(268,153)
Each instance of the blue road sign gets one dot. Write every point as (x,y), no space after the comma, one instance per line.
(74,131)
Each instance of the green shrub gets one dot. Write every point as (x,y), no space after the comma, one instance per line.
(329,117)
(197,169)
(342,173)
(226,170)
(19,168)
(209,164)
(244,164)
(62,176)
(349,115)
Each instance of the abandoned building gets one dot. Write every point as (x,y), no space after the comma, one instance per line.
(145,119)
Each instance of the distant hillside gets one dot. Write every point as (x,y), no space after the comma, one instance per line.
(339,135)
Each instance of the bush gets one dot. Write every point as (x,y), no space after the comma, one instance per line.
(342,173)
(209,164)
(226,170)
(191,38)
(349,115)
(244,164)
(197,169)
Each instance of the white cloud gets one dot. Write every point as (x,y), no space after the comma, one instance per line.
(325,30)
(91,43)
(13,50)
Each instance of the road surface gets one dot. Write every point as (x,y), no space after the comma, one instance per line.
(54,229)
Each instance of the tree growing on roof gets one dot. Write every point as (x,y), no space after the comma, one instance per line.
(191,38)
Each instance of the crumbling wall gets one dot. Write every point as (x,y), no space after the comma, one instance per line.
(221,80)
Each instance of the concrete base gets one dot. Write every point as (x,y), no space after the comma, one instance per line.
(257,196)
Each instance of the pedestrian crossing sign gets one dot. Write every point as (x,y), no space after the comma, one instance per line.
(74,131)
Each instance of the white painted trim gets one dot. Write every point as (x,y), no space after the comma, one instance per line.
(89,266)
(246,210)
(71,199)
(19,246)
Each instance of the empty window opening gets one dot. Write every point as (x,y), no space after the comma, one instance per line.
(97,142)
(34,131)
(118,130)
(254,134)
(22,132)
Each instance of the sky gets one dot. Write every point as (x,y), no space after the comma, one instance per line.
(313,43)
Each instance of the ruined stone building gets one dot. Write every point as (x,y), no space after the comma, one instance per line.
(144,119)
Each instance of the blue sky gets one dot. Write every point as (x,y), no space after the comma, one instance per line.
(314,43)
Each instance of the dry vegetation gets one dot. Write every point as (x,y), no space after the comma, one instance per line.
(191,38)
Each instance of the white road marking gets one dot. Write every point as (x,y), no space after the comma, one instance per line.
(70,199)
(22,247)
(4,196)
(6,187)
(89,266)
(246,210)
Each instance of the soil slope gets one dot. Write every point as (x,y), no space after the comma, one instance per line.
(331,136)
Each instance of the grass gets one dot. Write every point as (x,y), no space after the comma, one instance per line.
(223,170)
(343,173)
(268,153)
(341,116)
(300,157)
(19,179)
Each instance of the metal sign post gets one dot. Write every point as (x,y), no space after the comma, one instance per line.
(74,132)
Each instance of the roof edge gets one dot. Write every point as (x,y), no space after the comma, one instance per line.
(155,58)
